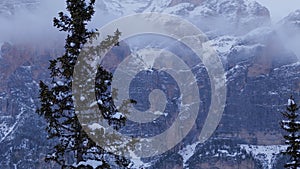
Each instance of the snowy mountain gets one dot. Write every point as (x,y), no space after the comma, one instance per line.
(292,19)
(243,15)
(262,70)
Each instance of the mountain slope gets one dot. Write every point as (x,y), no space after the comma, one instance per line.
(261,73)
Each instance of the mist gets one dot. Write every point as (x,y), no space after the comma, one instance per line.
(31,25)
(36,25)
(290,36)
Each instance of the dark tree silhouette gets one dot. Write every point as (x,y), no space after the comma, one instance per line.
(73,148)
(292,139)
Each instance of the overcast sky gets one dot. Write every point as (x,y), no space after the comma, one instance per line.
(280,8)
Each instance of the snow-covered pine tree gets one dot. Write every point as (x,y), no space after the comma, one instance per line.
(292,125)
(73,148)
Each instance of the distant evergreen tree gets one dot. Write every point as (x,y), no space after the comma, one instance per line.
(73,146)
(292,126)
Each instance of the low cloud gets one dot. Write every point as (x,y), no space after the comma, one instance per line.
(36,25)
(29,25)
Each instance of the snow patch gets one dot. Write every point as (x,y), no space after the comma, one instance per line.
(124,7)
(117,115)
(95,126)
(187,152)
(223,44)
(181,8)
(273,93)
(265,154)
(82,98)
(9,130)
(137,163)
(92,163)
(158,5)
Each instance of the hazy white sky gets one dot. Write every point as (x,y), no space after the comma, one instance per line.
(280,8)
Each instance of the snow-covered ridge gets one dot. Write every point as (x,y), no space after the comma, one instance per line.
(293,18)
(124,7)
(206,8)
(226,16)
(223,44)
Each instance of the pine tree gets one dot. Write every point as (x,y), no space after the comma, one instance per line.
(73,146)
(292,126)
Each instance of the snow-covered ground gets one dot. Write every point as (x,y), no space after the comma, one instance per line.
(187,152)
(265,154)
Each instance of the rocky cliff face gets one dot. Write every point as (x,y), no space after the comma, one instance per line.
(261,73)
(22,135)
